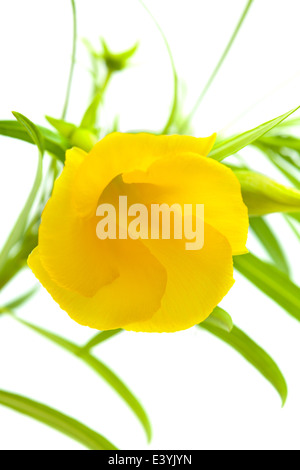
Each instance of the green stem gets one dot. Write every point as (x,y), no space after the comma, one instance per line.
(89,120)
(73,60)
(106,81)
(175,76)
(218,66)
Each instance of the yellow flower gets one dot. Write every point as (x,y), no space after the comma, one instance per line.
(140,285)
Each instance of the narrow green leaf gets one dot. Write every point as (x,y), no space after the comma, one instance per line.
(19,260)
(287,171)
(220,319)
(269,241)
(295,216)
(172,114)
(64,128)
(254,354)
(292,226)
(18,301)
(54,144)
(284,163)
(32,130)
(113,380)
(271,281)
(291,122)
(219,64)
(56,420)
(20,225)
(101,369)
(234,144)
(99,338)
(73,61)
(277,141)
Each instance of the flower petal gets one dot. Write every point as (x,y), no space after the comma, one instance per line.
(132,297)
(69,248)
(118,153)
(192,179)
(197,282)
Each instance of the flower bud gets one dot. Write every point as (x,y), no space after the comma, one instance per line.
(79,137)
(117,62)
(264,196)
(83,139)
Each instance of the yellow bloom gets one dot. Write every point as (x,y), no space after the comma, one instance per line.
(140,285)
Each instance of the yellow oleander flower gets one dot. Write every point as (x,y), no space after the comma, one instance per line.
(151,285)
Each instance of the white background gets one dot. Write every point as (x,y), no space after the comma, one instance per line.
(198,392)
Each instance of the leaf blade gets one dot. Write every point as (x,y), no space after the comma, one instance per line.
(265,235)
(271,281)
(18,230)
(100,338)
(17,302)
(234,144)
(101,369)
(56,420)
(53,143)
(220,319)
(254,354)
(31,130)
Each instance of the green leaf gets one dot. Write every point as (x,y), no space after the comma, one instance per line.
(292,226)
(18,301)
(287,171)
(254,354)
(64,128)
(174,107)
(284,163)
(218,66)
(220,319)
(54,144)
(295,216)
(113,380)
(234,144)
(17,262)
(20,225)
(73,61)
(101,369)
(269,241)
(271,281)
(100,338)
(31,130)
(281,142)
(56,420)
(291,122)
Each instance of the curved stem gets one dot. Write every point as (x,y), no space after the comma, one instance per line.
(175,76)
(89,120)
(218,66)
(73,60)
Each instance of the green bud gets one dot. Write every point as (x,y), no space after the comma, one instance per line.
(84,139)
(77,136)
(264,196)
(117,62)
